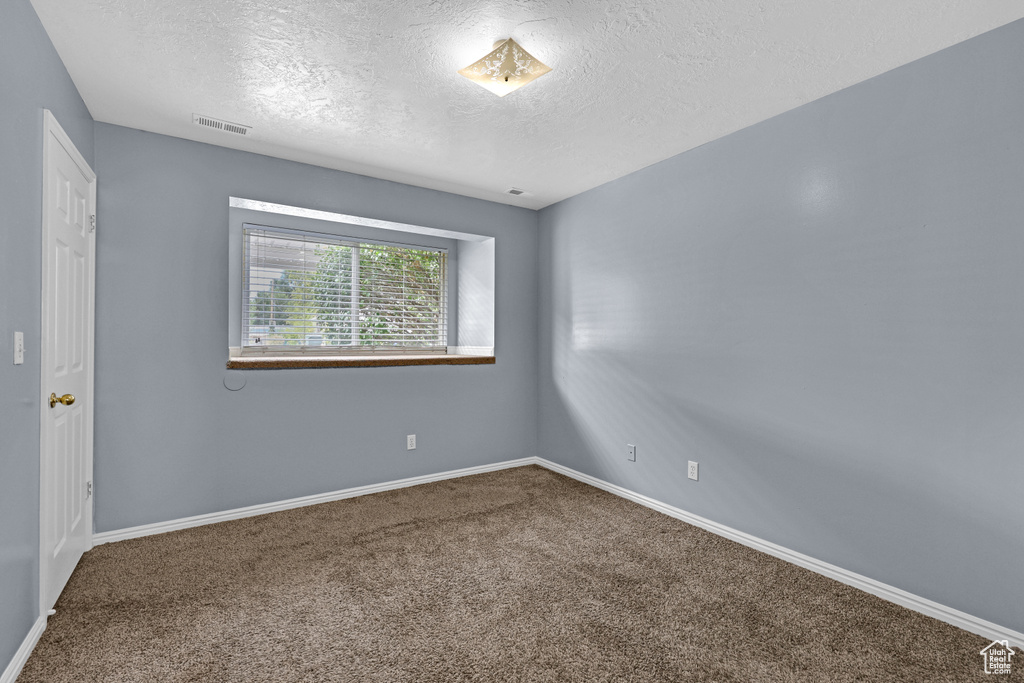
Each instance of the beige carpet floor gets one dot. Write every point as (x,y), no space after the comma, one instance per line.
(516,575)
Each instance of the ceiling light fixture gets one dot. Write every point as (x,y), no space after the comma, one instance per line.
(505,68)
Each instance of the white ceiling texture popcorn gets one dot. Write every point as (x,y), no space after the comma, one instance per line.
(372,86)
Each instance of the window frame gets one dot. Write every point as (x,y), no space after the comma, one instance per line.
(240,218)
(342,350)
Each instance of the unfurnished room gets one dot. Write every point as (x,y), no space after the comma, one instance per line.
(427,341)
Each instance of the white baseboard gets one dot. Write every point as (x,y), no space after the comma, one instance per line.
(10,674)
(901,597)
(868,585)
(254,510)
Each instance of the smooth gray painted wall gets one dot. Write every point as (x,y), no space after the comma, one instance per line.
(825,311)
(32,78)
(172,442)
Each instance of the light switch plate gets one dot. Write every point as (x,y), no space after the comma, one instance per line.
(19,348)
(631,452)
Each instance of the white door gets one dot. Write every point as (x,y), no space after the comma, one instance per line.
(69,240)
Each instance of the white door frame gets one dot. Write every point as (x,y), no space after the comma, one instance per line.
(53,133)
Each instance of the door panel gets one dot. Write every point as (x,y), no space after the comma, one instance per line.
(60,308)
(59,535)
(77,312)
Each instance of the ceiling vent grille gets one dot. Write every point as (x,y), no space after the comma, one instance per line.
(515,191)
(217,124)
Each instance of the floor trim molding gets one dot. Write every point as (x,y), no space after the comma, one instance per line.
(10,674)
(886,592)
(254,510)
(901,597)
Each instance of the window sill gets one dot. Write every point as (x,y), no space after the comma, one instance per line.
(291,362)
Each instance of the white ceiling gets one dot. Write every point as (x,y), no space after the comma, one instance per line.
(370,86)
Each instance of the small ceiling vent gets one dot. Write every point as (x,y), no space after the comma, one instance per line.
(515,191)
(210,122)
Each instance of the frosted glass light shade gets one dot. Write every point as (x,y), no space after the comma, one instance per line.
(505,68)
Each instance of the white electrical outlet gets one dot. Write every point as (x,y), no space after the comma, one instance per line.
(691,471)
(410,442)
(631,452)
(19,348)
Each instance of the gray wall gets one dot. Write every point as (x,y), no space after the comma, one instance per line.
(32,78)
(825,311)
(172,442)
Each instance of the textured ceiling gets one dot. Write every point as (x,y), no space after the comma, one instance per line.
(370,86)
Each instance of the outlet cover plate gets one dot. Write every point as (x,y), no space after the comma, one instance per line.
(410,442)
(691,470)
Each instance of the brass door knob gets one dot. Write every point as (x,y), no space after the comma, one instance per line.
(66,399)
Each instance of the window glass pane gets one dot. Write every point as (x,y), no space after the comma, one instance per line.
(309,290)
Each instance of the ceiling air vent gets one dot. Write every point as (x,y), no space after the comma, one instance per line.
(515,191)
(225,126)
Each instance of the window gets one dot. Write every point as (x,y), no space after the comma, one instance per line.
(306,292)
(309,288)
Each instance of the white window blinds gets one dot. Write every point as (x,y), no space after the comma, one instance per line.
(315,293)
